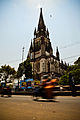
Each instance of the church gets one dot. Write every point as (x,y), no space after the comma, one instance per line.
(41,53)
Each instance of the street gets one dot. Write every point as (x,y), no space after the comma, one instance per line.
(21,107)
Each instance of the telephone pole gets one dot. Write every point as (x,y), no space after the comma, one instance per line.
(22,53)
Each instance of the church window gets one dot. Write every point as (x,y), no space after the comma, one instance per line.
(38,67)
(43,67)
(31,56)
(48,67)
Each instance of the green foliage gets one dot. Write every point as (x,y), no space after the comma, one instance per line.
(64,80)
(25,68)
(74,70)
(77,61)
(8,70)
(20,70)
(72,67)
(76,75)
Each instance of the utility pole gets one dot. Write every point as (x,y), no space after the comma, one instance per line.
(22,53)
(22,62)
(23,76)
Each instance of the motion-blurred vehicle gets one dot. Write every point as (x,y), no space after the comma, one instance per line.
(5,90)
(45,89)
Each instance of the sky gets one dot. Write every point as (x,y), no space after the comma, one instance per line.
(18,19)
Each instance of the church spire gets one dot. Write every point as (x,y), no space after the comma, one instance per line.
(41,21)
(41,24)
(47,33)
(57,54)
(41,30)
(31,46)
(35,32)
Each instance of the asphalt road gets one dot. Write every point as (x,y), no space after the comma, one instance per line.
(20,107)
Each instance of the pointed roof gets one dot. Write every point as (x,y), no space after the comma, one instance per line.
(35,31)
(41,24)
(57,49)
(31,45)
(57,53)
(41,29)
(41,21)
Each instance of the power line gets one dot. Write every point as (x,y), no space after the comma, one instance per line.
(12,61)
(66,46)
(69,45)
(70,57)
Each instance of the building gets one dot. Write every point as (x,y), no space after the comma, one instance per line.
(41,53)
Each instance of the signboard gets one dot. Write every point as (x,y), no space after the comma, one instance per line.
(36,83)
(23,84)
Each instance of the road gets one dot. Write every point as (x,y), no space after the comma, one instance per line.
(21,107)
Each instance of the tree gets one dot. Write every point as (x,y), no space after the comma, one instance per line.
(64,80)
(25,68)
(7,70)
(77,61)
(74,70)
(20,70)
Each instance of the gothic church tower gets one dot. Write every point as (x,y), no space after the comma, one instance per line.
(41,52)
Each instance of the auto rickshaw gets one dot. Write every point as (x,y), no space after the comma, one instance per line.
(45,89)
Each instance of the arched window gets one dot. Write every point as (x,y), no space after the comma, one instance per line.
(31,56)
(48,66)
(38,67)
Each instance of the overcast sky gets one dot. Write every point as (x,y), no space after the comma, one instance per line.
(18,19)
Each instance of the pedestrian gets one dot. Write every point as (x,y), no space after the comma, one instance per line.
(72,84)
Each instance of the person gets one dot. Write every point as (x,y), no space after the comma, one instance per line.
(72,84)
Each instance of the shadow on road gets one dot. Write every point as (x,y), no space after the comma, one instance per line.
(45,100)
(6,96)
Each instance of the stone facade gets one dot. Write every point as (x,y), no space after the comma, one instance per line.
(41,53)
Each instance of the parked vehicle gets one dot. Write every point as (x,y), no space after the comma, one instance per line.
(5,90)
